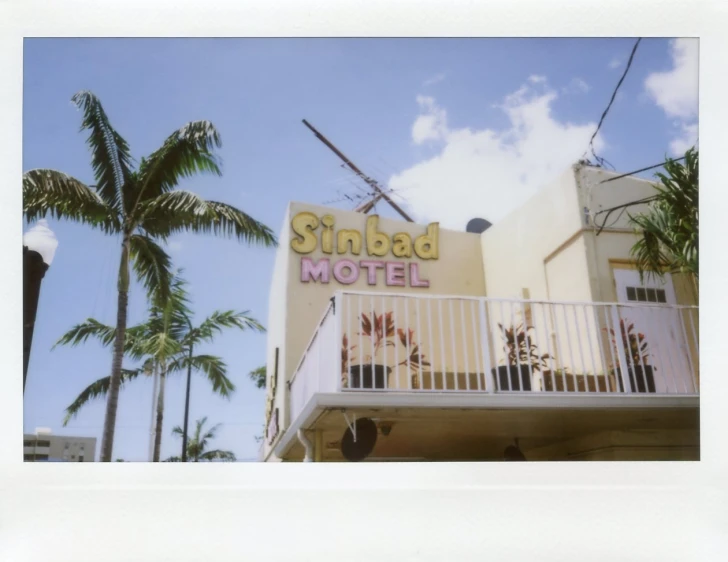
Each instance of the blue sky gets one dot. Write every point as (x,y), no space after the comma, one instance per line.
(458,126)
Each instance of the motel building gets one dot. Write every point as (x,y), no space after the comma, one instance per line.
(531,339)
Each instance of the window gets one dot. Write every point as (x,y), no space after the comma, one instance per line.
(646,294)
(44,443)
(28,442)
(28,457)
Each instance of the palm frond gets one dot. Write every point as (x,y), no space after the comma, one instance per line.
(184,211)
(110,155)
(184,153)
(97,389)
(64,197)
(90,328)
(213,367)
(217,454)
(669,228)
(152,266)
(218,321)
(173,459)
(258,376)
(177,430)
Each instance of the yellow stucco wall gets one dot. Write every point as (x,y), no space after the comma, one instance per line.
(514,249)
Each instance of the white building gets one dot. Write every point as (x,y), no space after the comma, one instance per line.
(44,446)
(481,339)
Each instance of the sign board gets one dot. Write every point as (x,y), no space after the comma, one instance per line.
(394,273)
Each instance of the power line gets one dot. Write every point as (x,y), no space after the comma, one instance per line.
(617,207)
(642,169)
(606,111)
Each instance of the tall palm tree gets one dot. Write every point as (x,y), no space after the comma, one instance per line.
(158,342)
(206,332)
(142,206)
(669,228)
(197,446)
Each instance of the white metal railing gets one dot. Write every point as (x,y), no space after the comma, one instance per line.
(387,342)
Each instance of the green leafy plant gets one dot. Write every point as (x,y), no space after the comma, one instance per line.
(668,230)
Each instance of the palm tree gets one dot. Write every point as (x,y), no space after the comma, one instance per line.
(161,341)
(142,206)
(669,229)
(197,446)
(205,332)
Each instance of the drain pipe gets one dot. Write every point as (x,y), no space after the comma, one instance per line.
(307,445)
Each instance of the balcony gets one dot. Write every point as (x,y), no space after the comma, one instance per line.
(449,350)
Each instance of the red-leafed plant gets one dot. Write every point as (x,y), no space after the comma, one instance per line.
(520,348)
(636,348)
(415,359)
(380,331)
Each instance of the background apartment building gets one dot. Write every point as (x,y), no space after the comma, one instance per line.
(44,446)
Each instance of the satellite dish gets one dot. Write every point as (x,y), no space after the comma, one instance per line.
(366,437)
(477,226)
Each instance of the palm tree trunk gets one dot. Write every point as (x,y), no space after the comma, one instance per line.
(155,385)
(160,415)
(112,403)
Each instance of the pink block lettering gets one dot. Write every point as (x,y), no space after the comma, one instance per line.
(311,271)
(415,280)
(346,278)
(395,273)
(372,266)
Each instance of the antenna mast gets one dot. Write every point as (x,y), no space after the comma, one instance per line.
(366,207)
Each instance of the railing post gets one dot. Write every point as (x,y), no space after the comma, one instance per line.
(623,365)
(485,347)
(337,312)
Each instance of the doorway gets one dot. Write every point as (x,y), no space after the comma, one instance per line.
(660,322)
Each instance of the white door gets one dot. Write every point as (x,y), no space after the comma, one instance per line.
(661,325)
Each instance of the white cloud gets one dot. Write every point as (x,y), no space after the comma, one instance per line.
(536,78)
(676,91)
(431,124)
(615,62)
(434,79)
(577,86)
(490,172)
(686,140)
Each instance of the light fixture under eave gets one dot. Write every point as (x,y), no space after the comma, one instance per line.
(513,453)
(41,239)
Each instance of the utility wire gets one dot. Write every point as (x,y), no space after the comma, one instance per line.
(642,169)
(623,207)
(606,111)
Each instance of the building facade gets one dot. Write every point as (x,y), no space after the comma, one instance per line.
(535,338)
(44,446)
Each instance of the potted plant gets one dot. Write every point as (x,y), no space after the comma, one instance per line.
(415,359)
(346,359)
(379,329)
(636,353)
(521,356)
